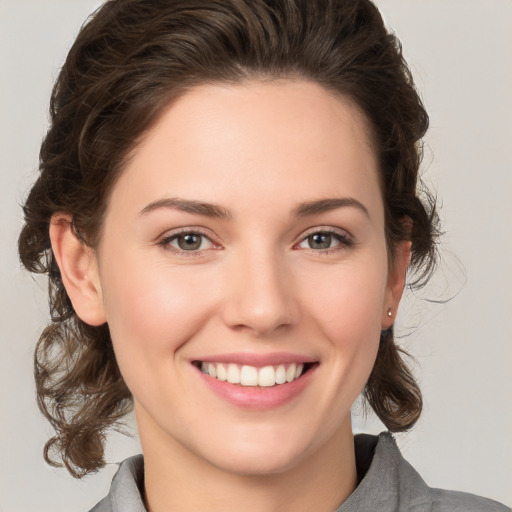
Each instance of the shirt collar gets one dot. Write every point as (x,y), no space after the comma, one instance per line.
(386,481)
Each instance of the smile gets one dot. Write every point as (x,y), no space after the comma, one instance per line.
(256,382)
(245,375)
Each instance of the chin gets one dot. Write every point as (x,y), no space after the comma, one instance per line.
(259,455)
(259,464)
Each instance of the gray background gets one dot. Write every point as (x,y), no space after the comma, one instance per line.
(460,52)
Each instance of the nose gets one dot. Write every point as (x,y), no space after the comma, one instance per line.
(260,296)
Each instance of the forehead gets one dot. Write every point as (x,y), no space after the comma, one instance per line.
(262,140)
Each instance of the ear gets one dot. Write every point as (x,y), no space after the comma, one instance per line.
(79,270)
(396,283)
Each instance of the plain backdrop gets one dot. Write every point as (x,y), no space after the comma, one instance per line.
(460,52)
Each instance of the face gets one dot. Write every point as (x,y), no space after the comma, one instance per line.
(245,241)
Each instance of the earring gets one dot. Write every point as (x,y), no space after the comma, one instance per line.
(390,312)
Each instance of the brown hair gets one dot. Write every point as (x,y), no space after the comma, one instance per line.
(127,63)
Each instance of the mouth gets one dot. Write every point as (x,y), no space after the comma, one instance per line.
(252,376)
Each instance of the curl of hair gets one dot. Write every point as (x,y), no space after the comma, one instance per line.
(129,61)
(391,390)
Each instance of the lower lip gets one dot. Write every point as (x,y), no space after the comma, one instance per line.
(257,398)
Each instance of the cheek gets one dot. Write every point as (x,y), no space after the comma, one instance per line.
(344,307)
(348,302)
(154,311)
(347,308)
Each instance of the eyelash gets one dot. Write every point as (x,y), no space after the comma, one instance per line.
(345,242)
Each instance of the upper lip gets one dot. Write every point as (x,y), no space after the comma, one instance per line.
(257,360)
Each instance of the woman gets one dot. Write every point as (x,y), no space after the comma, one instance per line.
(227,209)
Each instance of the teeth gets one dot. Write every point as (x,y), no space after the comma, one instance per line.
(221,372)
(246,375)
(233,374)
(267,376)
(212,370)
(249,376)
(290,373)
(281,374)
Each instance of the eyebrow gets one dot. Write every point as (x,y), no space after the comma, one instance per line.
(189,206)
(216,211)
(326,205)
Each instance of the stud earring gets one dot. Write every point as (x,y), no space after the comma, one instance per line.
(390,312)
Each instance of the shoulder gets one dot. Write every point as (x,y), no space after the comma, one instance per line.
(453,501)
(402,489)
(103,506)
(125,492)
(424,498)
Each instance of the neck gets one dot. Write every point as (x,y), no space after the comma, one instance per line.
(177,479)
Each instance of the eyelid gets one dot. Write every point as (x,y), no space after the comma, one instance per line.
(327,229)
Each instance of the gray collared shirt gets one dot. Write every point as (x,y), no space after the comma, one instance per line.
(388,483)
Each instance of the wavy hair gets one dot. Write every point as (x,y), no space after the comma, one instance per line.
(130,59)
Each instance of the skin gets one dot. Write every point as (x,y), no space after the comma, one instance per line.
(257,285)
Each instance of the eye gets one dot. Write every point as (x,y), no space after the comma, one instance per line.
(325,240)
(187,241)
